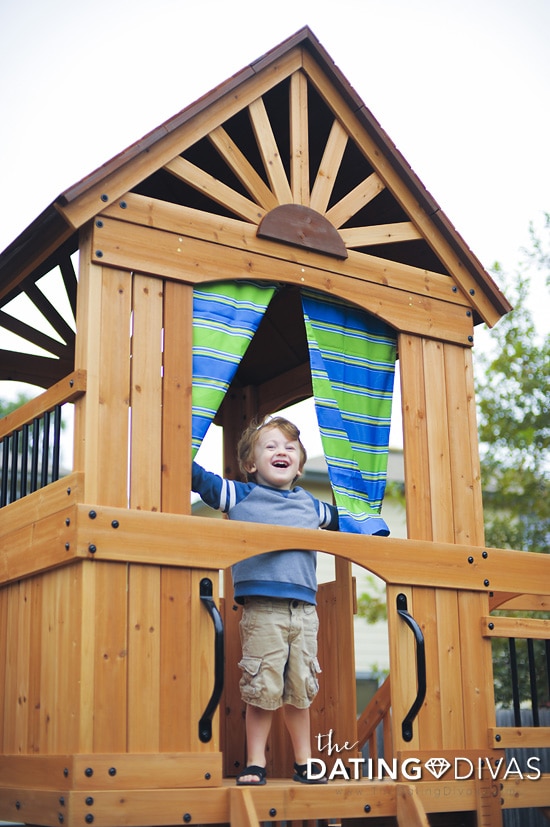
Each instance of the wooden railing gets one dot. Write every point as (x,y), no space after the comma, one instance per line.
(30,439)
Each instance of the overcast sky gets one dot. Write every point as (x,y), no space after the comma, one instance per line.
(460,86)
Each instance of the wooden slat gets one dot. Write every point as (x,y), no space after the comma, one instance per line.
(146,394)
(143,659)
(415,438)
(521,627)
(32,335)
(51,314)
(242,168)
(465,472)
(66,390)
(197,261)
(176,685)
(477,670)
(214,189)
(522,603)
(176,398)
(355,200)
(231,232)
(452,662)
(269,151)
(380,234)
(109,656)
(438,458)
(241,808)
(518,737)
(299,140)
(60,644)
(328,168)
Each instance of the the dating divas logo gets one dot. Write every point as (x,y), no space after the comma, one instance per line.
(412,769)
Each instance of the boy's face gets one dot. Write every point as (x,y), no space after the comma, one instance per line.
(277,459)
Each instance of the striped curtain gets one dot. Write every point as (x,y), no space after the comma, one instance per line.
(352,356)
(226,316)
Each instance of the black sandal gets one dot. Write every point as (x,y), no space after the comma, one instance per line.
(252,770)
(300,774)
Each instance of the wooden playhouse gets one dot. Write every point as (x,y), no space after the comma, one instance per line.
(118,700)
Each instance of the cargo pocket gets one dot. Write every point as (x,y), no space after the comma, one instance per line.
(312,683)
(250,683)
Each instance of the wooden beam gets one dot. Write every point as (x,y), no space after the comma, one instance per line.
(328,168)
(214,189)
(355,200)
(192,261)
(150,212)
(269,151)
(242,168)
(299,139)
(410,810)
(380,234)
(66,390)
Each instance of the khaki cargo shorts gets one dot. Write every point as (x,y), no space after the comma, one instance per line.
(279,652)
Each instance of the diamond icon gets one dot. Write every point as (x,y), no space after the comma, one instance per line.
(437,766)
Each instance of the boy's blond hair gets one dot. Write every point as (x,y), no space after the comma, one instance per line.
(249,438)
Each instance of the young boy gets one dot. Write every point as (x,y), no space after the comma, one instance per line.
(277,589)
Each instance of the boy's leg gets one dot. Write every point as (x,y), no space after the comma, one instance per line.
(298,724)
(258,727)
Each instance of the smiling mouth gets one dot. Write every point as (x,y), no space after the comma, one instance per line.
(280,464)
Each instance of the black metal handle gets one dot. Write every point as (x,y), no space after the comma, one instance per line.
(205,723)
(406,726)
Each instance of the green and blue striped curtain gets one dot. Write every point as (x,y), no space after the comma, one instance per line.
(352,356)
(226,316)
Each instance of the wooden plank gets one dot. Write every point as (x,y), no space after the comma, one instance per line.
(150,212)
(143,659)
(522,627)
(107,669)
(328,168)
(522,793)
(410,810)
(147,771)
(59,688)
(477,672)
(376,710)
(465,470)
(35,656)
(176,398)
(162,253)
(518,737)
(439,468)
(44,544)
(176,686)
(299,139)
(521,603)
(170,539)
(214,189)
(269,151)
(146,394)
(452,663)
(380,234)
(241,808)
(66,390)
(242,168)
(355,200)
(55,497)
(415,438)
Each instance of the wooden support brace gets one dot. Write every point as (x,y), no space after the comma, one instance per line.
(241,807)
(410,810)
